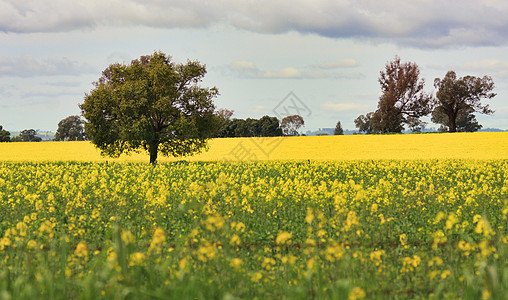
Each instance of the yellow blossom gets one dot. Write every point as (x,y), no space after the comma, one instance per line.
(256,277)
(284,238)
(351,220)
(310,216)
(21,227)
(452,220)
(81,250)
(403,241)
(159,237)
(136,259)
(436,260)
(445,274)
(375,257)
(235,263)
(440,216)
(235,240)
(356,293)
(410,263)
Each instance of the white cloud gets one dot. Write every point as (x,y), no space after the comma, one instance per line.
(343,63)
(243,65)
(29,66)
(288,72)
(420,23)
(248,69)
(489,67)
(340,107)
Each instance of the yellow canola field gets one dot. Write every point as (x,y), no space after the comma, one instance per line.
(479,145)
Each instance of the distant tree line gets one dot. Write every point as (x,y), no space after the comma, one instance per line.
(69,129)
(27,135)
(183,123)
(265,126)
(5,136)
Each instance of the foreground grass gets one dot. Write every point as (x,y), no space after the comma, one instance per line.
(296,230)
(478,145)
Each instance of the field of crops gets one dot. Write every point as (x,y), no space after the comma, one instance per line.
(477,145)
(301,229)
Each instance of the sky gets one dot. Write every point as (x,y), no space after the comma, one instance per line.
(319,58)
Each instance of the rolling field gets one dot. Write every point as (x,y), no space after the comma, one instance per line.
(375,217)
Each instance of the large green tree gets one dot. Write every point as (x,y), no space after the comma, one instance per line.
(403,100)
(152,104)
(5,136)
(70,129)
(458,97)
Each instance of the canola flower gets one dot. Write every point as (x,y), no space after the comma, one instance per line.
(334,229)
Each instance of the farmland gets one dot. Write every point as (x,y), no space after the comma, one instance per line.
(478,145)
(375,224)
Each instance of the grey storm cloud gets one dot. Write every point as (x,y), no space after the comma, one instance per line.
(418,23)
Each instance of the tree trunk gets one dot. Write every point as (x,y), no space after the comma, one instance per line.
(452,124)
(153,149)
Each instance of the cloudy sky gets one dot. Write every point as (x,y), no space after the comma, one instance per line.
(326,53)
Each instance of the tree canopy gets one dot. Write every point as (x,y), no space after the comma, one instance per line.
(5,136)
(28,135)
(403,100)
(402,103)
(266,126)
(461,97)
(291,124)
(70,129)
(152,104)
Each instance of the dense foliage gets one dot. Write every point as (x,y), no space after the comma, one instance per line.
(263,127)
(5,136)
(70,129)
(402,103)
(291,124)
(152,104)
(461,97)
(27,135)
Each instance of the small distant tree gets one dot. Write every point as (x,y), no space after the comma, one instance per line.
(291,124)
(462,97)
(29,135)
(70,129)
(5,136)
(338,129)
